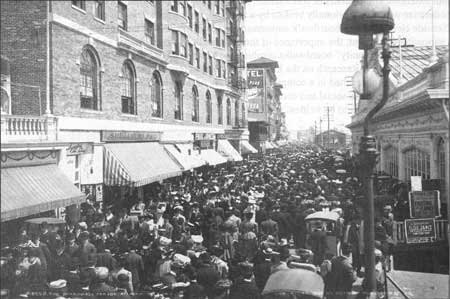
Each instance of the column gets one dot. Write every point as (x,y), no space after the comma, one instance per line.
(434,171)
(401,163)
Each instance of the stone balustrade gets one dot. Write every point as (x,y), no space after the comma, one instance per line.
(24,128)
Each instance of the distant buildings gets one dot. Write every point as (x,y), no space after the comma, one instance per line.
(331,139)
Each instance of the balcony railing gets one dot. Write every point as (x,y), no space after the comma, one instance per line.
(441,231)
(21,128)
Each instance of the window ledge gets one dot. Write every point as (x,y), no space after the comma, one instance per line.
(157,118)
(100,20)
(218,47)
(180,15)
(129,115)
(179,120)
(79,9)
(86,110)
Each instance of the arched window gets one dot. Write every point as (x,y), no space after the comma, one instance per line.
(208,107)
(195,104)
(417,163)
(236,113)
(157,95)
(391,161)
(89,80)
(128,88)
(178,101)
(441,159)
(219,110)
(228,112)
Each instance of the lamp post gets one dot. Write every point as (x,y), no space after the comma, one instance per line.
(365,18)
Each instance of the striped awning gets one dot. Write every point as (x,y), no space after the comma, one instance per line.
(186,160)
(211,157)
(247,148)
(137,164)
(35,189)
(225,148)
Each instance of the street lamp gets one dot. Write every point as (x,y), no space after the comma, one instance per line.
(366,18)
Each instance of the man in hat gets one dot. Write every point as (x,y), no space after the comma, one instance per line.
(269,227)
(207,275)
(342,276)
(283,258)
(262,265)
(120,270)
(87,249)
(318,242)
(71,246)
(100,288)
(135,265)
(245,287)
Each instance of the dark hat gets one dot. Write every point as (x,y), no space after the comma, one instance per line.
(284,252)
(123,277)
(70,236)
(84,235)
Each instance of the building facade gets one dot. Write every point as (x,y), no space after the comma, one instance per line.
(331,139)
(265,118)
(107,81)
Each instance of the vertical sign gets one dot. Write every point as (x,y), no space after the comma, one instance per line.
(255,91)
(416,183)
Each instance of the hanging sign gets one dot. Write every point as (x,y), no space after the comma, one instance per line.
(416,183)
(420,230)
(424,204)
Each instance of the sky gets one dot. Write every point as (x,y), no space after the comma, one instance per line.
(315,58)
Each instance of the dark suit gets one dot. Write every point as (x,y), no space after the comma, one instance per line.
(341,278)
(208,276)
(135,265)
(269,227)
(86,253)
(244,289)
(318,246)
(105,259)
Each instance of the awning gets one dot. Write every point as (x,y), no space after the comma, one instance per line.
(274,145)
(268,145)
(137,164)
(247,148)
(184,159)
(31,190)
(211,157)
(225,148)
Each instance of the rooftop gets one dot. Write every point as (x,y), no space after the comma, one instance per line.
(263,61)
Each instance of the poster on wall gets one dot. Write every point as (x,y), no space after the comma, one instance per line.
(255,91)
(424,204)
(420,230)
(416,183)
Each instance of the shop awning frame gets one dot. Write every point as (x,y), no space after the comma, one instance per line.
(225,148)
(137,164)
(30,190)
(186,161)
(247,148)
(211,157)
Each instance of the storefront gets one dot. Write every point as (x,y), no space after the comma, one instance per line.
(205,144)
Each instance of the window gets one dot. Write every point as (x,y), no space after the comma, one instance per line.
(179,43)
(205,62)
(99,7)
(417,163)
(210,65)
(228,112)
(191,54)
(208,107)
(150,32)
(391,161)
(122,17)
(223,8)
(219,110)
(189,15)
(218,68)
(174,6)
(209,33)
(128,89)
(89,80)
(197,58)
(195,104)
(223,39)
(209,4)
(175,43)
(197,22)
(441,160)
(204,28)
(157,95)
(80,4)
(217,7)
(181,8)
(178,111)
(217,37)
(236,113)
(224,71)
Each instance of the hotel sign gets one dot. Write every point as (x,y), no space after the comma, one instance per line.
(129,136)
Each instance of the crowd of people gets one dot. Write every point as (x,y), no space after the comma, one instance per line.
(216,233)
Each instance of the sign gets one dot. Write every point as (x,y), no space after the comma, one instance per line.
(424,204)
(416,183)
(204,136)
(420,230)
(255,91)
(127,136)
(79,148)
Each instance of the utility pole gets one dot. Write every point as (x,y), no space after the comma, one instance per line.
(328,133)
(320,132)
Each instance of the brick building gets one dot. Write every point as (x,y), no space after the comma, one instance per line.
(265,119)
(115,81)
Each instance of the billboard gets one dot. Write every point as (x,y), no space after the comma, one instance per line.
(255,91)
(420,230)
